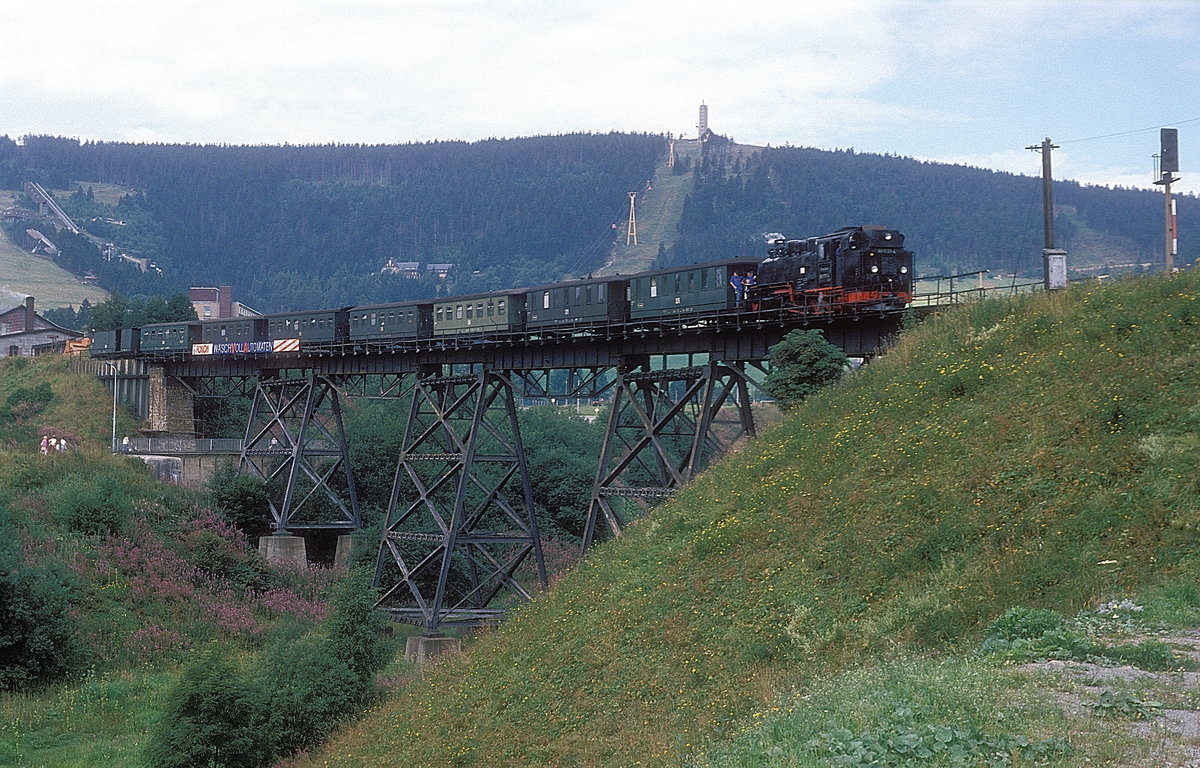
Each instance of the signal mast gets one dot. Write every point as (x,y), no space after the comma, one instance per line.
(1168,166)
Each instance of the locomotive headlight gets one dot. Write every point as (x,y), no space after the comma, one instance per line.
(904,270)
(874,268)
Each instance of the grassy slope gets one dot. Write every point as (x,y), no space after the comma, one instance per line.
(1038,451)
(50,285)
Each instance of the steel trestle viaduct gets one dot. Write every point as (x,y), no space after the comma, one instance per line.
(460,522)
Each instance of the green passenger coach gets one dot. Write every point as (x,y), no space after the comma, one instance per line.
(685,290)
(576,303)
(170,337)
(380,321)
(479,313)
(317,325)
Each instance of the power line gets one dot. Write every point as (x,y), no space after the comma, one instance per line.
(1136,130)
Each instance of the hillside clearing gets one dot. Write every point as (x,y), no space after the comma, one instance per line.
(51,286)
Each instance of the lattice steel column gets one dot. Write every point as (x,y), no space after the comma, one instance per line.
(460,521)
(664,427)
(295,440)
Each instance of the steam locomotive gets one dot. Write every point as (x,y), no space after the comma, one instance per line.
(853,270)
(856,269)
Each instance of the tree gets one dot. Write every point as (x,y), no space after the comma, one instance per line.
(214,718)
(242,499)
(802,363)
(561,450)
(356,627)
(38,643)
(311,691)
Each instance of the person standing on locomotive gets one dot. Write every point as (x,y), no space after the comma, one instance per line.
(748,282)
(737,282)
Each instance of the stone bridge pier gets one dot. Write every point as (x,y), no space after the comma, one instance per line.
(172,406)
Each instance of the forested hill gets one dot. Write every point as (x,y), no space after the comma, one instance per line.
(956,218)
(310,226)
(299,227)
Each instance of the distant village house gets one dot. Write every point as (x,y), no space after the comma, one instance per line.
(409,269)
(218,303)
(24,332)
(412,269)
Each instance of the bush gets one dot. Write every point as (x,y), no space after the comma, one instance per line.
(213,718)
(96,505)
(242,499)
(312,689)
(38,640)
(802,363)
(23,403)
(1027,634)
(356,628)
(1027,623)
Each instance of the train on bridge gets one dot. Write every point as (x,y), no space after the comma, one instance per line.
(852,271)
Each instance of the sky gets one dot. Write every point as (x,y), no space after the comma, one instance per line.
(971,82)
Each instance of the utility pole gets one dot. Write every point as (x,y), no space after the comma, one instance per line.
(1054,260)
(1168,167)
(1047,190)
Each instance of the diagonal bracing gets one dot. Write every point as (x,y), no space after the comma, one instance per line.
(460,522)
(664,427)
(296,442)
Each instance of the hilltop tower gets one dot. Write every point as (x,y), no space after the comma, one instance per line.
(702,126)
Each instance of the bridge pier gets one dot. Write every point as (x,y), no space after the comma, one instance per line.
(295,441)
(171,409)
(460,521)
(664,427)
(284,550)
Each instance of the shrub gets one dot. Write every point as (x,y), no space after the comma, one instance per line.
(1027,623)
(242,499)
(94,505)
(312,689)
(213,718)
(356,628)
(802,363)
(23,403)
(1025,634)
(38,642)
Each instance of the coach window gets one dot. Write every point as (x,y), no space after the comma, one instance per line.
(470,313)
(491,309)
(500,308)
(458,312)
(653,287)
(704,279)
(677,279)
(600,292)
(222,331)
(578,293)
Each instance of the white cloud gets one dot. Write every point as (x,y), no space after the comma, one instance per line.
(976,80)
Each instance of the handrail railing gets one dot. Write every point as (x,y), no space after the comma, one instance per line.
(174,446)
